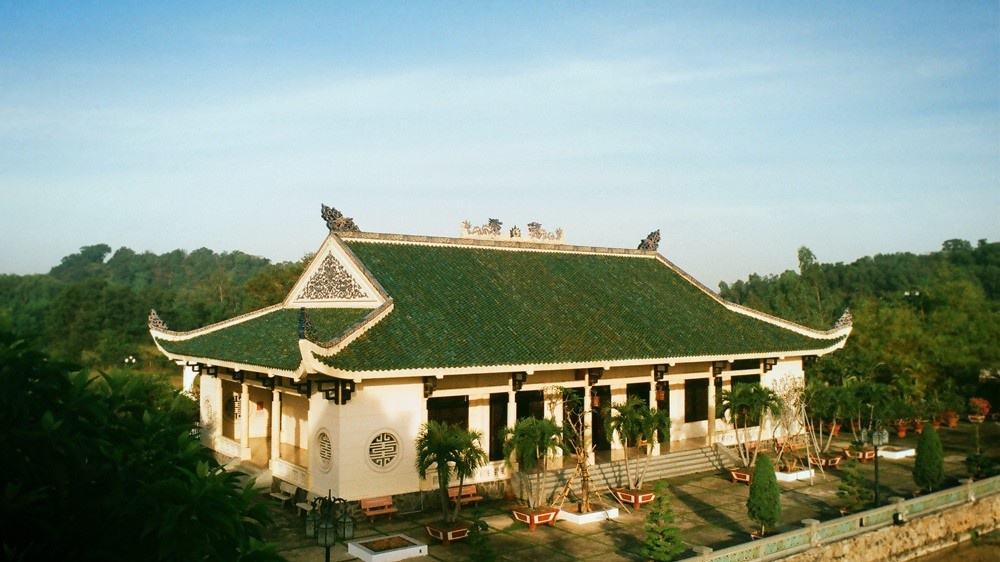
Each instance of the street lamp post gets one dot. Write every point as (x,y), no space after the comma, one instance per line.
(330,521)
(879,437)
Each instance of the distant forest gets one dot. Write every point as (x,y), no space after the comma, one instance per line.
(928,318)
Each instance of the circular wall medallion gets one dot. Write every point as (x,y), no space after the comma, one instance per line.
(384,450)
(325,446)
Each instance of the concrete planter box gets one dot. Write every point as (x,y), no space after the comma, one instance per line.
(447,532)
(588,517)
(541,516)
(896,452)
(634,497)
(401,547)
(804,474)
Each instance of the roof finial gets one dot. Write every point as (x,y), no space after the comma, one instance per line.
(155,322)
(651,242)
(492,229)
(846,319)
(336,221)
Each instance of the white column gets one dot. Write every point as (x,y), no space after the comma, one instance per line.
(479,417)
(275,424)
(511,409)
(245,422)
(618,395)
(676,396)
(711,407)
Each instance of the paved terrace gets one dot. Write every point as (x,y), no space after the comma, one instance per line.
(709,510)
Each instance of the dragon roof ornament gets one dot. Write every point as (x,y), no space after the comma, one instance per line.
(651,242)
(336,221)
(846,319)
(155,322)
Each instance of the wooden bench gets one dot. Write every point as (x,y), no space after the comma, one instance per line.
(373,507)
(285,492)
(740,476)
(467,494)
(306,506)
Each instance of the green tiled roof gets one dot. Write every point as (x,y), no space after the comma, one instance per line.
(457,307)
(270,340)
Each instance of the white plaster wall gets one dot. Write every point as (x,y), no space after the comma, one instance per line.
(396,405)
(323,416)
(295,420)
(210,407)
(260,412)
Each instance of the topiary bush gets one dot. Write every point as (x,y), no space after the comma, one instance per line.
(928,467)
(663,539)
(764,503)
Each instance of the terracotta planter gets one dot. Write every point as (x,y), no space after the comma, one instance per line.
(936,423)
(918,426)
(540,516)
(951,418)
(976,418)
(901,429)
(447,532)
(634,497)
(833,428)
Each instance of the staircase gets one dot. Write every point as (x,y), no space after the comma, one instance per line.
(667,465)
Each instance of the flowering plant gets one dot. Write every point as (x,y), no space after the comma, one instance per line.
(980,406)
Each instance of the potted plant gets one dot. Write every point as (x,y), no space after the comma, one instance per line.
(951,404)
(636,425)
(900,412)
(529,444)
(979,408)
(448,448)
(744,407)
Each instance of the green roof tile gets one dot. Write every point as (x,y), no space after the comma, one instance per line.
(270,340)
(457,307)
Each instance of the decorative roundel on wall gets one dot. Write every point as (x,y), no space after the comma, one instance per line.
(384,450)
(325,447)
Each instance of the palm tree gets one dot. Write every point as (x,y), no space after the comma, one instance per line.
(529,443)
(745,406)
(637,425)
(449,448)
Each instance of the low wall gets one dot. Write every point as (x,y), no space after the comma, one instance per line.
(900,531)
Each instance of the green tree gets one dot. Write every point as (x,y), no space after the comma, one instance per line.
(663,538)
(448,448)
(764,503)
(928,467)
(637,426)
(853,488)
(745,407)
(529,444)
(110,467)
(479,540)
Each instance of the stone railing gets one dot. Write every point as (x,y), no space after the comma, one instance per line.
(815,533)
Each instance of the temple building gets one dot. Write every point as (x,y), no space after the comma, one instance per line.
(382,332)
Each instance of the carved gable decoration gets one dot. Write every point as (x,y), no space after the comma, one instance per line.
(332,282)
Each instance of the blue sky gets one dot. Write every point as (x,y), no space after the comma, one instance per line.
(741,133)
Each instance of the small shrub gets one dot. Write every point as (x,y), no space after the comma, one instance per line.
(663,539)
(854,489)
(479,541)
(928,467)
(764,503)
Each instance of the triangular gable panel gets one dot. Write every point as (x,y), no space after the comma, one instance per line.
(333,280)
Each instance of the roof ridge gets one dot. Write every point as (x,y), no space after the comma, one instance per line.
(172,335)
(498,244)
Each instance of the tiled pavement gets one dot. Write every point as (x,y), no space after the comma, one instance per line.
(708,508)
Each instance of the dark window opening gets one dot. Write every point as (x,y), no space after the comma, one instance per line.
(498,422)
(530,404)
(695,400)
(638,390)
(718,399)
(746,379)
(744,364)
(600,438)
(452,410)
